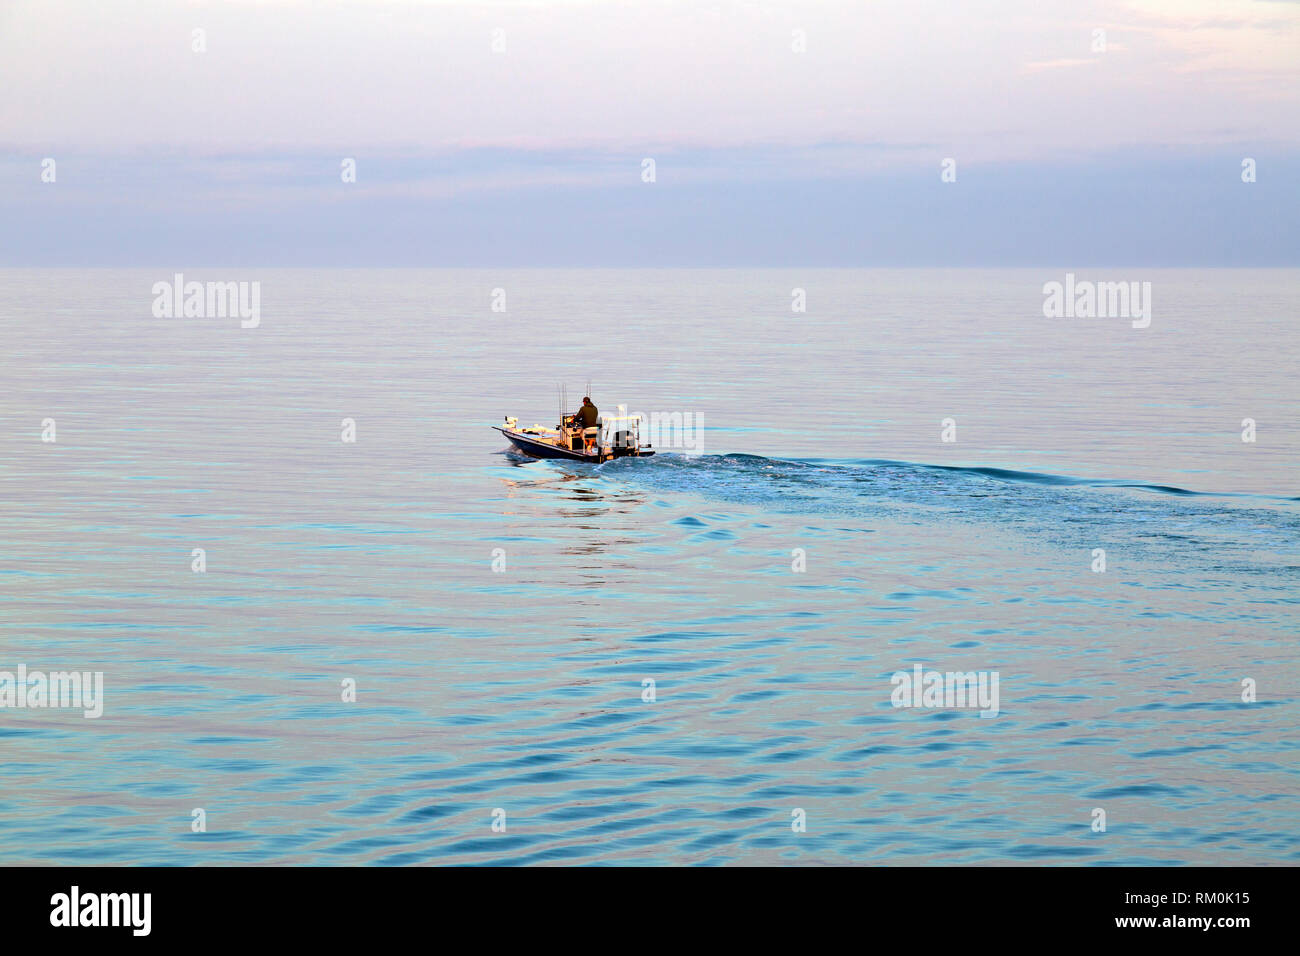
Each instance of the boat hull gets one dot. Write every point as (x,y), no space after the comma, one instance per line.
(539,448)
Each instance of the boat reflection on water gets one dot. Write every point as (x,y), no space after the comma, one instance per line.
(566,500)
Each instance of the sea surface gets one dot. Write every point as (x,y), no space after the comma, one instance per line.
(501,618)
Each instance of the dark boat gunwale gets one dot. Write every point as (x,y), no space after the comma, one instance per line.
(526,443)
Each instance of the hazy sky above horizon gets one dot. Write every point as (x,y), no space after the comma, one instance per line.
(532,151)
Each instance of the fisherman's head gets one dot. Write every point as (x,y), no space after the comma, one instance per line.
(586,400)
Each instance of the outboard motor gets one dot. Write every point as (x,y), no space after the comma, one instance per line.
(626,438)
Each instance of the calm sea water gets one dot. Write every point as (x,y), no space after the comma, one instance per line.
(521,689)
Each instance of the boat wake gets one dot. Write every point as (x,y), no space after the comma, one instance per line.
(901,473)
(1067,509)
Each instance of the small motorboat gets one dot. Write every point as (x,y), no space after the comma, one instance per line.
(618,436)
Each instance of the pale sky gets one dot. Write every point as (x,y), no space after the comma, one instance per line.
(583,91)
